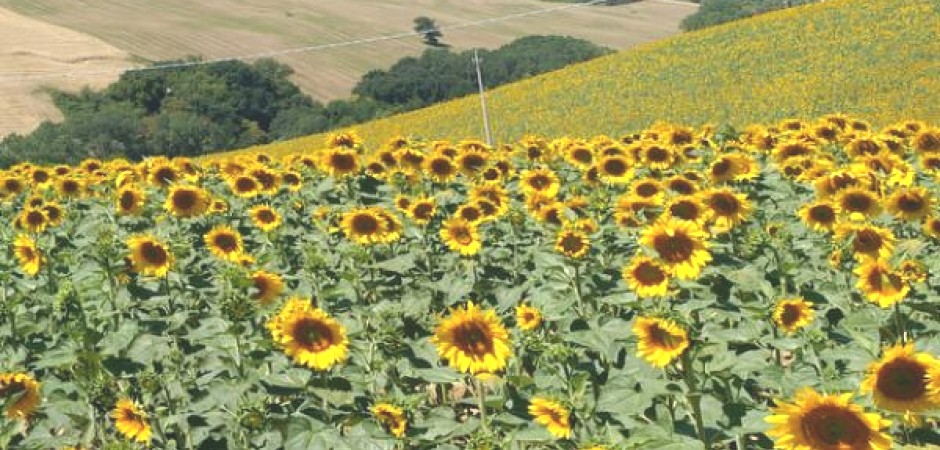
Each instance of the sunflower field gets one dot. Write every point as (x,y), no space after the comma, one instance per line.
(675,288)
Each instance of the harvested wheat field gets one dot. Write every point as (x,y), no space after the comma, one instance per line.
(32,51)
(225,28)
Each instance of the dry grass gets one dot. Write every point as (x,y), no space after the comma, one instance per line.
(34,48)
(177,28)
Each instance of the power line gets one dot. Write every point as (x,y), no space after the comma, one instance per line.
(307,49)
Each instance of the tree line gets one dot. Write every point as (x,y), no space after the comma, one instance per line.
(199,109)
(716,12)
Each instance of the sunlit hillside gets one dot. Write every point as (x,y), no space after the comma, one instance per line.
(880,62)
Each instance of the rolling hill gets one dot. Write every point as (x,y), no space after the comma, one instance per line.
(879,61)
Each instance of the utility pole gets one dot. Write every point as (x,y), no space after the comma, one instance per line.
(486,113)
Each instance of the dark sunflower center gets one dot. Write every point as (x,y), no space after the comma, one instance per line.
(462,235)
(266,216)
(388,159)
(822,214)
(857,202)
(902,379)
(534,152)
(928,142)
(314,335)
(658,154)
(35,218)
(615,166)
(153,254)
(473,162)
(682,187)
(881,281)
(684,210)
(13,389)
(470,214)
(441,167)
(681,137)
(185,200)
(647,190)
(835,426)
(826,133)
(127,200)
(245,184)
(582,155)
(69,186)
(28,253)
(266,179)
(165,175)
(725,204)
(228,243)
(487,208)
(12,185)
(663,338)
(262,285)
(867,241)
(910,203)
(365,224)
(40,176)
(867,147)
(53,213)
(648,274)
(674,249)
(935,226)
(343,162)
(472,338)
(422,211)
(721,167)
(540,182)
(791,314)
(291,179)
(572,244)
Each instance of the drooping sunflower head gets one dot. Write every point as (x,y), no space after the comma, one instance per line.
(308,335)
(149,256)
(187,201)
(19,393)
(528,318)
(572,243)
(820,216)
(815,421)
(659,341)
(646,277)
(880,283)
(473,340)
(899,381)
(265,217)
(910,204)
(461,236)
(364,226)
(391,417)
(792,314)
(131,421)
(552,415)
(267,286)
(681,246)
(27,254)
(224,242)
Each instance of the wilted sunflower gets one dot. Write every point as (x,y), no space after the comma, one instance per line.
(131,421)
(910,204)
(19,393)
(791,314)
(187,201)
(461,236)
(646,277)
(552,415)
(27,254)
(224,242)
(422,210)
(149,256)
(726,208)
(364,226)
(392,417)
(820,216)
(265,217)
(815,421)
(308,335)
(542,181)
(129,200)
(681,246)
(528,318)
(572,243)
(880,283)
(858,202)
(898,382)
(660,341)
(867,241)
(267,286)
(473,340)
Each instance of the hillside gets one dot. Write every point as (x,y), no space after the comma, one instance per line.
(224,28)
(880,63)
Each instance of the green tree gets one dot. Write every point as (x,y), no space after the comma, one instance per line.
(428,28)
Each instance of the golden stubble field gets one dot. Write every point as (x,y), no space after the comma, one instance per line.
(176,28)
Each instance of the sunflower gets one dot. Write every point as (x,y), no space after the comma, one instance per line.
(392,226)
(308,335)
(33,220)
(149,256)
(129,200)
(267,286)
(868,241)
(440,167)
(820,216)
(402,202)
(19,393)
(646,277)
(815,421)
(681,185)
(12,185)
(552,415)
(244,186)
(791,314)
(572,243)
(615,169)
(910,204)
(461,236)
(927,141)
(681,247)
(913,271)
(392,417)
(542,181)
(224,242)
(880,283)
(265,217)
(898,382)
(473,340)
(686,208)
(494,193)
(364,226)
(932,227)
(660,341)
(580,155)
(340,162)
(54,212)
(528,318)
(858,202)
(163,174)
(657,157)
(69,187)
(472,162)
(422,210)
(131,421)
(470,212)
(722,169)
(726,208)
(648,189)
(293,180)
(27,254)
(187,201)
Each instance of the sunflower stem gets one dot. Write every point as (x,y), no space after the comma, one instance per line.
(739,442)
(899,323)
(577,289)
(694,398)
(481,398)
